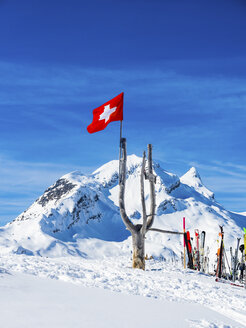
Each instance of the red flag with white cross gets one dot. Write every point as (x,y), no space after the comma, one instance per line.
(109,112)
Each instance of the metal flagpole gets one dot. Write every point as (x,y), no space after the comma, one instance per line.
(120,151)
(120,134)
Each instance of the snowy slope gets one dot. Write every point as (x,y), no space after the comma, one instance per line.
(79,215)
(74,292)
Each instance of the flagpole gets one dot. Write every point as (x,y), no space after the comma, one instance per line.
(120,130)
(120,150)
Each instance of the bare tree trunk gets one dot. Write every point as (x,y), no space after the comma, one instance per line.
(138,231)
(138,250)
(152,180)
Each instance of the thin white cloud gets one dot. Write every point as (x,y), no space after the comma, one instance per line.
(22,182)
(76,85)
(219,169)
(234,166)
(16,175)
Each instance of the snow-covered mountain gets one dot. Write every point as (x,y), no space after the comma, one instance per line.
(79,214)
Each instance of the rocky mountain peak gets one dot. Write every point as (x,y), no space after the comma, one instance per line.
(193,179)
(81,209)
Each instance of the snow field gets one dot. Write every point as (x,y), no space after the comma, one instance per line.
(161,281)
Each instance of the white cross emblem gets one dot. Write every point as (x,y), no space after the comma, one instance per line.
(106,113)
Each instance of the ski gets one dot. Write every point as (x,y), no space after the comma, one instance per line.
(232,263)
(202,244)
(244,229)
(225,256)
(189,249)
(197,254)
(220,254)
(244,257)
(206,261)
(241,266)
(227,282)
(235,262)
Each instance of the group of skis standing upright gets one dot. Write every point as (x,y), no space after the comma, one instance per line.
(198,258)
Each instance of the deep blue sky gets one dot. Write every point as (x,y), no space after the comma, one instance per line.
(181,64)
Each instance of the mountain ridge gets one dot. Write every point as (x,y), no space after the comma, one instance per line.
(80,211)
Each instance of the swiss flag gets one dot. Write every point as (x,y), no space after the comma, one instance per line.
(108,112)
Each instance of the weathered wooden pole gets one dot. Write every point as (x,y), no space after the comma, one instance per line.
(138,231)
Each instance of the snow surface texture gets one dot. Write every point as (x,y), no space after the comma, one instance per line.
(174,297)
(79,215)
